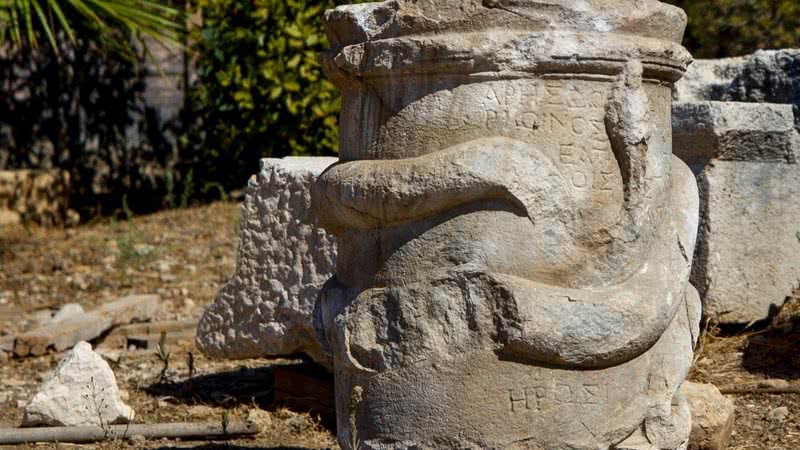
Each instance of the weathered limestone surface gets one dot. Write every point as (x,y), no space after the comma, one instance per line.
(733,131)
(284,259)
(745,157)
(82,392)
(766,76)
(712,416)
(515,235)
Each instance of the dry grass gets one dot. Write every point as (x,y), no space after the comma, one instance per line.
(183,255)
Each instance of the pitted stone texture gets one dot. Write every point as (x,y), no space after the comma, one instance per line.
(748,253)
(515,235)
(283,260)
(733,131)
(82,392)
(766,76)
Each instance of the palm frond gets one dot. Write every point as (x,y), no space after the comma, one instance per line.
(23,23)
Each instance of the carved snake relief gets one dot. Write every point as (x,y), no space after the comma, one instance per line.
(591,327)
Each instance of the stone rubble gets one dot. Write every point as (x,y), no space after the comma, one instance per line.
(712,416)
(83,391)
(72,328)
(283,260)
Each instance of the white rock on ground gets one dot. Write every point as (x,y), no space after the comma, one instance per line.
(712,416)
(83,391)
(284,258)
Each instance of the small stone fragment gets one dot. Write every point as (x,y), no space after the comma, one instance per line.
(7,343)
(773,384)
(137,440)
(167,278)
(200,411)
(82,392)
(712,416)
(779,414)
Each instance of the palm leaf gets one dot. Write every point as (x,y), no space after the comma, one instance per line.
(108,22)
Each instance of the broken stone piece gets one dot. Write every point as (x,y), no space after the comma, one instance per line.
(132,308)
(712,416)
(63,334)
(766,76)
(83,391)
(284,258)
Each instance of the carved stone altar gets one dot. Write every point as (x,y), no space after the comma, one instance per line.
(515,236)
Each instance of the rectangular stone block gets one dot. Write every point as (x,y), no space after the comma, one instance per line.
(133,308)
(732,131)
(61,336)
(748,253)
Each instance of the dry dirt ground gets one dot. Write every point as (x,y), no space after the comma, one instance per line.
(186,255)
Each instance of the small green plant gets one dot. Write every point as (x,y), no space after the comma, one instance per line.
(163,356)
(226,421)
(98,406)
(356,395)
(132,251)
(190,364)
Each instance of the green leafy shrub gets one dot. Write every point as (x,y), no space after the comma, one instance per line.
(721,28)
(260,90)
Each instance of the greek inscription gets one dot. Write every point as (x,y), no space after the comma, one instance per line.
(538,397)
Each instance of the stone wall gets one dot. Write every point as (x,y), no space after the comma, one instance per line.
(734,123)
(35,196)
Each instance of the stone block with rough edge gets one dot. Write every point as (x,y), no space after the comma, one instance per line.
(82,391)
(284,258)
(766,76)
(748,251)
(745,157)
(733,131)
(712,416)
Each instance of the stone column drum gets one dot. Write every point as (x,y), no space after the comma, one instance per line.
(515,236)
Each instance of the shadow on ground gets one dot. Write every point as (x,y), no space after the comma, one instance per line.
(302,388)
(775,350)
(231,447)
(244,386)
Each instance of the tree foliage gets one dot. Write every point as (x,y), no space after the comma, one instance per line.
(260,90)
(722,28)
